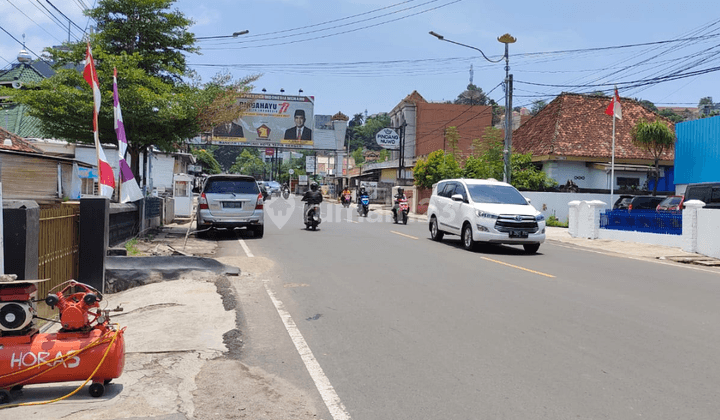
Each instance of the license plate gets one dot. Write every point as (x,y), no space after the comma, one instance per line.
(518,234)
(232,205)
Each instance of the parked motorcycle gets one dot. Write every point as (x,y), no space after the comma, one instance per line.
(364,205)
(401,212)
(312,216)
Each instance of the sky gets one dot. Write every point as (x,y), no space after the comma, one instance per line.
(365,56)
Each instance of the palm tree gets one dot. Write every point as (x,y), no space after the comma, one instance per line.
(654,137)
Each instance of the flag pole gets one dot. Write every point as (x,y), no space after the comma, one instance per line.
(612,166)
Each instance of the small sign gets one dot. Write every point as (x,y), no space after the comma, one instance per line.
(388,138)
(302,179)
(291,171)
(310,164)
(269,152)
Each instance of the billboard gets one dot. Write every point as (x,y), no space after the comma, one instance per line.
(270,121)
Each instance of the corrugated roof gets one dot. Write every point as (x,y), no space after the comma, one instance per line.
(576,125)
(17,143)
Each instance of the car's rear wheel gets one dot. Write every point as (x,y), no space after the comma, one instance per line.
(435,233)
(258,231)
(531,248)
(467,238)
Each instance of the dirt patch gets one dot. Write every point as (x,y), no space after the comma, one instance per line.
(247,393)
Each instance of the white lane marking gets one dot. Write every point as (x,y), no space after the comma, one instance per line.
(322,383)
(246,248)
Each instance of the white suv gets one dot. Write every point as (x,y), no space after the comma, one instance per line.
(484,210)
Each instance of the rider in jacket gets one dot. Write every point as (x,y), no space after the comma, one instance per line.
(344,192)
(399,196)
(312,196)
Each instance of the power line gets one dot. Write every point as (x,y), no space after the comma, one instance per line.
(324,23)
(337,33)
(31,20)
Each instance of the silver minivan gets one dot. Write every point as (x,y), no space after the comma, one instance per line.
(231,201)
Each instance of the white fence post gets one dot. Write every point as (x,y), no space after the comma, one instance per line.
(689,225)
(573,216)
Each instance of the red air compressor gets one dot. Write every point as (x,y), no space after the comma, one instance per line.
(86,348)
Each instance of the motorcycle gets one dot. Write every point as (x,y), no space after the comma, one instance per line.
(364,205)
(312,216)
(285,192)
(346,200)
(402,211)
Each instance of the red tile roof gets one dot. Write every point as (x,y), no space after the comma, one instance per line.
(19,144)
(576,125)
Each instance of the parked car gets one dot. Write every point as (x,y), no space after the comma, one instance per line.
(229,202)
(645,202)
(274,187)
(484,210)
(671,203)
(264,189)
(707,192)
(622,202)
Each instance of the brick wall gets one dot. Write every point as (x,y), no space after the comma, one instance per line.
(433,118)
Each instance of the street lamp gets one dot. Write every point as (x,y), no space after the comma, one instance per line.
(234,35)
(505,39)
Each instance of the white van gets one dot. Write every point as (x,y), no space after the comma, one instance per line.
(484,210)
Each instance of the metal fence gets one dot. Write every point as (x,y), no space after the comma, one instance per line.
(58,249)
(649,221)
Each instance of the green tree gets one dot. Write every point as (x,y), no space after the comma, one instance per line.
(537,106)
(452,138)
(207,160)
(358,155)
(647,105)
(671,115)
(706,101)
(384,155)
(364,135)
(438,166)
(249,163)
(148,28)
(218,102)
(473,95)
(525,175)
(147,43)
(654,137)
(488,162)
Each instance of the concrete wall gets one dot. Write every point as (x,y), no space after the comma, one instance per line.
(555,203)
(708,226)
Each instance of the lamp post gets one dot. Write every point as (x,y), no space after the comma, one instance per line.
(234,35)
(505,39)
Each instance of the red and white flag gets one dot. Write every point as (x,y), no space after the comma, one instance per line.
(614,108)
(106,176)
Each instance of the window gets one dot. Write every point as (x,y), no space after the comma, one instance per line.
(448,190)
(628,182)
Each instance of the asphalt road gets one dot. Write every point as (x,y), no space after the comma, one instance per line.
(399,327)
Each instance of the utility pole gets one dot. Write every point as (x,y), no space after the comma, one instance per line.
(507,149)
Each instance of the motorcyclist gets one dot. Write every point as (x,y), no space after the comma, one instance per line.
(345,192)
(399,196)
(361,193)
(311,196)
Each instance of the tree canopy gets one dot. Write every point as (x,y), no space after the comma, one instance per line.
(146,42)
(655,137)
(473,95)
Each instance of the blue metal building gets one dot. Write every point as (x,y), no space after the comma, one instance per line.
(697,152)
